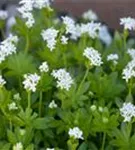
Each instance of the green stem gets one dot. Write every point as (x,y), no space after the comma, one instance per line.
(40,103)
(103,142)
(125,35)
(85,76)
(10,125)
(27,43)
(29,99)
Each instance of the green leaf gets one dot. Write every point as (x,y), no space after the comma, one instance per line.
(42,123)
(20,64)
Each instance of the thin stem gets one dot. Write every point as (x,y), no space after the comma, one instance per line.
(40,103)
(10,125)
(103,142)
(27,43)
(85,76)
(29,99)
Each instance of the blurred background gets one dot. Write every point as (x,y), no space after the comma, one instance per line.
(109,11)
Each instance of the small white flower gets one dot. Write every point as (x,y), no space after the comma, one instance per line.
(113,57)
(53,105)
(2,81)
(18,146)
(76,133)
(3,14)
(104,35)
(49,35)
(44,67)
(127,111)
(131,52)
(129,71)
(50,149)
(41,3)
(64,79)
(17,97)
(70,24)
(12,106)
(64,40)
(90,15)
(91,28)
(26,12)
(128,23)
(93,55)
(8,47)
(31,81)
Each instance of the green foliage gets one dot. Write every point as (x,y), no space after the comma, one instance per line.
(39,114)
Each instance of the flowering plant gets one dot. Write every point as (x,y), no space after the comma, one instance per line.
(66,85)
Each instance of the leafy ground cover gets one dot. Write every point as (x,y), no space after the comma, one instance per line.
(61,87)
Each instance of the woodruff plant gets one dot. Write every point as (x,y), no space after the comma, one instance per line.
(61,88)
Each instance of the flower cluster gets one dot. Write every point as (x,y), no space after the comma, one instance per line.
(26,12)
(12,106)
(131,52)
(76,133)
(53,104)
(93,55)
(2,81)
(8,47)
(41,3)
(17,97)
(91,29)
(128,23)
(18,146)
(49,35)
(31,81)
(129,71)
(90,15)
(127,111)
(64,40)
(64,79)
(113,57)
(27,7)
(3,14)
(44,67)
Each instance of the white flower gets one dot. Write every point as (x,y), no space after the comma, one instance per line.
(91,29)
(53,105)
(49,35)
(44,67)
(17,97)
(31,81)
(93,55)
(3,14)
(12,106)
(18,146)
(2,81)
(131,52)
(50,149)
(26,12)
(70,24)
(128,23)
(90,15)
(64,79)
(129,71)
(76,133)
(7,47)
(64,40)
(127,111)
(41,3)
(104,35)
(113,57)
